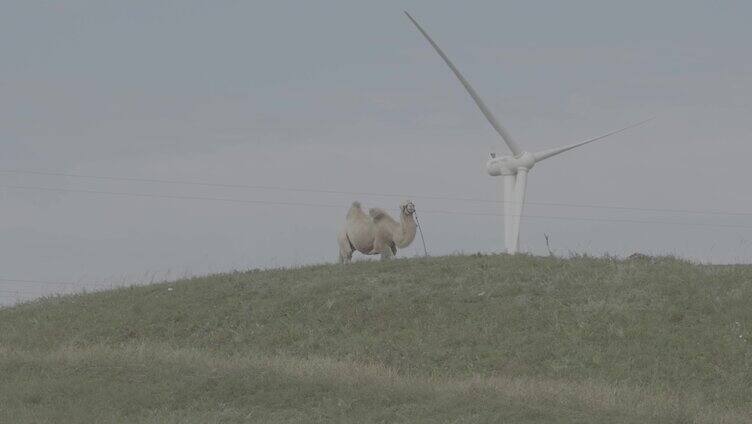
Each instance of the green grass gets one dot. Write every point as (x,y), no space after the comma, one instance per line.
(462,339)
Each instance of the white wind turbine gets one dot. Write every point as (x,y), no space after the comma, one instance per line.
(512,169)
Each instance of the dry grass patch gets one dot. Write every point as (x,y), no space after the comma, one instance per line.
(597,398)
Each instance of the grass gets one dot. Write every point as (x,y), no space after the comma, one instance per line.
(464,339)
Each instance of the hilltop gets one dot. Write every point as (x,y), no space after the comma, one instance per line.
(449,339)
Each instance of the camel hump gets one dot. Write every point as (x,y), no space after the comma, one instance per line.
(355,212)
(377,213)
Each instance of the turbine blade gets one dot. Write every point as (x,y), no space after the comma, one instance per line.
(545,154)
(478,101)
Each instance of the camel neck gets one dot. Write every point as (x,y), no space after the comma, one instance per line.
(408,230)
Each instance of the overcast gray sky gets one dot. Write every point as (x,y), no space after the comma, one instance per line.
(349,97)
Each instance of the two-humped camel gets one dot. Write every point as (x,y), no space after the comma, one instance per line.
(376,233)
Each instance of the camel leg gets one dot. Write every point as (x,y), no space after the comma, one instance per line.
(388,251)
(345,257)
(345,249)
(380,247)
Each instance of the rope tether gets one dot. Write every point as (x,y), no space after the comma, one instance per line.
(421,233)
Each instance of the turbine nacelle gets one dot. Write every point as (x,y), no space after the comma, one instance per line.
(508,165)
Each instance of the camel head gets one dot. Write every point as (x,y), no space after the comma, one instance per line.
(407,208)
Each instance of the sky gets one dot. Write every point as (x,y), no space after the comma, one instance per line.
(348,97)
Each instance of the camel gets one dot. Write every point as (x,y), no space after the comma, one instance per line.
(376,233)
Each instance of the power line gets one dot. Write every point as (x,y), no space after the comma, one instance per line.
(52,283)
(19,292)
(168,196)
(321,205)
(377,194)
(589,219)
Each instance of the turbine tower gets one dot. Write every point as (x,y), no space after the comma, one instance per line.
(514,168)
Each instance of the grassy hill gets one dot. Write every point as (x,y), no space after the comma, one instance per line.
(462,339)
